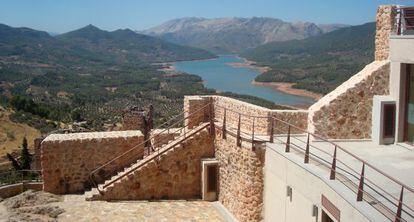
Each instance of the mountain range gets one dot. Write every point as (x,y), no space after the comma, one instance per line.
(234,35)
(91,44)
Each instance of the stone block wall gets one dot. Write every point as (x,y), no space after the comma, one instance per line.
(249,110)
(298,118)
(346,112)
(194,111)
(176,175)
(133,119)
(385,26)
(67,159)
(162,136)
(240,178)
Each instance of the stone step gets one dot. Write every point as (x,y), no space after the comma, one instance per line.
(167,148)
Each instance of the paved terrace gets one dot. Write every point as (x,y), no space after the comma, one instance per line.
(395,160)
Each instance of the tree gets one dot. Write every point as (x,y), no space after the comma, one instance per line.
(26,157)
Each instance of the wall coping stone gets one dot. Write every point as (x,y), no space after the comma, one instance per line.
(93,135)
(349,84)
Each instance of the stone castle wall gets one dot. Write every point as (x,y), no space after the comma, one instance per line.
(196,110)
(162,136)
(249,112)
(240,178)
(298,118)
(67,159)
(345,113)
(176,175)
(385,26)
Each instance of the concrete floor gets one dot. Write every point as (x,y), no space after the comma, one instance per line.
(395,160)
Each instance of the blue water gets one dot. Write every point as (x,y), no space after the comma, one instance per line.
(219,75)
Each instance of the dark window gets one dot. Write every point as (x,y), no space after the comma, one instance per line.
(326,218)
(212,178)
(389,121)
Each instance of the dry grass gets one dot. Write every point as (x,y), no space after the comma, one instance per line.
(11,134)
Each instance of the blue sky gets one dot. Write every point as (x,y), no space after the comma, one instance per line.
(64,15)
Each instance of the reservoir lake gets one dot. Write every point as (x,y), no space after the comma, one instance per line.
(218,74)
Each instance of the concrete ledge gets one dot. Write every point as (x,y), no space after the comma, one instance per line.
(15,189)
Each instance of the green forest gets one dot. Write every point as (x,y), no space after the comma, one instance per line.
(319,63)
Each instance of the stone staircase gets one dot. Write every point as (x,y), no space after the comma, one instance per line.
(107,189)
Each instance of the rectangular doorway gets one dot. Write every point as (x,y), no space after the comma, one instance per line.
(409,104)
(326,218)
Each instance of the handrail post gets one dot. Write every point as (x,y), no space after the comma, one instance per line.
(253,148)
(287,149)
(333,168)
(361,184)
(271,139)
(307,151)
(224,125)
(212,126)
(238,139)
(399,208)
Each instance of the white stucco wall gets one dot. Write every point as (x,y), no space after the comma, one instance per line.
(401,52)
(308,183)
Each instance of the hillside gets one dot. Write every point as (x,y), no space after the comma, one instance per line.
(90,76)
(318,63)
(124,45)
(11,135)
(233,35)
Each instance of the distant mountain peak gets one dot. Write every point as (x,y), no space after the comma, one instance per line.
(232,34)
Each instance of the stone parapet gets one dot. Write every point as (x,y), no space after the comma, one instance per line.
(249,113)
(297,118)
(385,19)
(346,112)
(68,159)
(161,137)
(241,178)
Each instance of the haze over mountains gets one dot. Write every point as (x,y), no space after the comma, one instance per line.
(235,35)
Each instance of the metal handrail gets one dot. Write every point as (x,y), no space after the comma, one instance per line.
(185,136)
(363,162)
(163,130)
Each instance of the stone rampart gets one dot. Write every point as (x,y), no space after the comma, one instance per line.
(345,113)
(297,118)
(248,113)
(385,27)
(240,178)
(175,175)
(67,159)
(161,137)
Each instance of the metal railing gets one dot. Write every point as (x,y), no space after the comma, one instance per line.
(369,183)
(404,20)
(138,151)
(20,176)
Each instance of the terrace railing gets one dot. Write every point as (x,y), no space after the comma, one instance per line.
(405,21)
(369,183)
